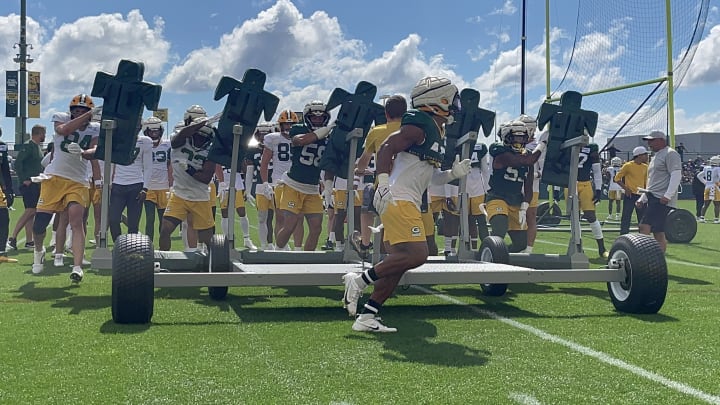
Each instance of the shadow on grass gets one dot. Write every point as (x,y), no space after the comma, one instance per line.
(110,327)
(688,281)
(415,345)
(31,292)
(698,245)
(79,303)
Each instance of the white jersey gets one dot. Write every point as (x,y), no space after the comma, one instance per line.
(64,163)
(541,161)
(710,176)
(239,182)
(281,159)
(612,171)
(159,179)
(410,177)
(184,185)
(140,169)
(479,176)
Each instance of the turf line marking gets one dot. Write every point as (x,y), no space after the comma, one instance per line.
(704,266)
(603,357)
(524,399)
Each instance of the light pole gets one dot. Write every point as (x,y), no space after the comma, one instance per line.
(23,59)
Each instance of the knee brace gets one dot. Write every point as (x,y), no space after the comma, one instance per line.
(42,220)
(596,230)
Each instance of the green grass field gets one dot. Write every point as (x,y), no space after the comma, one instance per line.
(538,344)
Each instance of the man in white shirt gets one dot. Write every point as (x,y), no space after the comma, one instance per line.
(130,187)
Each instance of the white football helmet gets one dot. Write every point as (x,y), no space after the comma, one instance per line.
(530,123)
(616,161)
(194,111)
(715,160)
(315,114)
(436,95)
(516,135)
(153,128)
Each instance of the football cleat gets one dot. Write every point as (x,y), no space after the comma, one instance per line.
(370,323)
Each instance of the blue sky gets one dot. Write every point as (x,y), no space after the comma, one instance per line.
(310,47)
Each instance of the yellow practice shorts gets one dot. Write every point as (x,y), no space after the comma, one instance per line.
(239,200)
(201,211)
(158,197)
(615,195)
(263,203)
(712,194)
(94,195)
(500,207)
(297,202)
(585,196)
(475,205)
(3,202)
(428,223)
(341,199)
(403,222)
(438,204)
(57,192)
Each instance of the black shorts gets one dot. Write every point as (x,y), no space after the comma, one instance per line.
(655,214)
(30,194)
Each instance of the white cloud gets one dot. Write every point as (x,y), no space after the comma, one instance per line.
(704,68)
(284,44)
(508,8)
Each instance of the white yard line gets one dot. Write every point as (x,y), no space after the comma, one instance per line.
(603,357)
(524,399)
(703,266)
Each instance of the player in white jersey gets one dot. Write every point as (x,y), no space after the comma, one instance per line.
(477,186)
(130,187)
(160,176)
(615,191)
(223,176)
(406,164)
(192,172)
(67,187)
(710,175)
(277,150)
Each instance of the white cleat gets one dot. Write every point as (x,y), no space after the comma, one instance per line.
(59,258)
(38,261)
(77,274)
(249,244)
(353,292)
(370,323)
(716,221)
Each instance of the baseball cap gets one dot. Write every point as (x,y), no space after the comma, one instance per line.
(655,135)
(639,150)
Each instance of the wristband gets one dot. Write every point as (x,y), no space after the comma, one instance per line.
(98,182)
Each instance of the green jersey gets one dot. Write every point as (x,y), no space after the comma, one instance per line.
(588,155)
(433,149)
(305,166)
(507,183)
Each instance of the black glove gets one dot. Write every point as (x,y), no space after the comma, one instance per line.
(9,198)
(597,196)
(190,170)
(556,195)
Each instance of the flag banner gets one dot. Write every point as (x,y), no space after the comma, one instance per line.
(162,114)
(11,93)
(33,95)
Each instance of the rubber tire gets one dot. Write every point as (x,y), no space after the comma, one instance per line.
(552,218)
(494,250)
(645,286)
(680,226)
(133,279)
(219,261)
